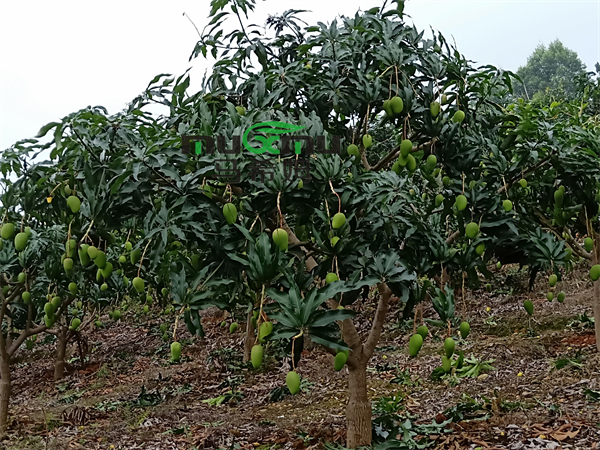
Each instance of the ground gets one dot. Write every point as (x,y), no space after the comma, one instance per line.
(543,394)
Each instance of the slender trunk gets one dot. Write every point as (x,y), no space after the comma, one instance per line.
(358,412)
(596,299)
(250,338)
(5,388)
(61,347)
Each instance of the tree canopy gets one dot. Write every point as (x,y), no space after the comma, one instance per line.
(553,68)
(437,178)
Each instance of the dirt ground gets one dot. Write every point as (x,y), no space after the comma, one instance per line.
(543,394)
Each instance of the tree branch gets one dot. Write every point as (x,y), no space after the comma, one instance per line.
(384,299)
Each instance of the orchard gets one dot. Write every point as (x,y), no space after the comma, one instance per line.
(443,188)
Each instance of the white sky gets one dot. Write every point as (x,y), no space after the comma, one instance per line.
(57,57)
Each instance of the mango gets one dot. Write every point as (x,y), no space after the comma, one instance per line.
(338,221)
(507,205)
(480,249)
(84,257)
(26,296)
(472,230)
(449,346)
(458,116)
(49,321)
(265,329)
(340,361)
(439,199)
(431,162)
(465,329)
(233,327)
(122,259)
(128,246)
(175,351)
(461,202)
(100,260)
(22,277)
(446,364)
(561,297)
(559,197)
(280,237)
(107,270)
(396,104)
(550,296)
(256,356)
(434,107)
(415,344)
(331,277)
(367,140)
(73,288)
(352,150)
(388,108)
(68,265)
(138,284)
(103,286)
(528,305)
(292,380)
(552,280)
(74,204)
(588,244)
(70,247)
(411,163)
(405,148)
(523,183)
(230,212)
(92,252)
(49,309)
(21,241)
(423,331)
(7,230)
(75,324)
(135,256)
(595,272)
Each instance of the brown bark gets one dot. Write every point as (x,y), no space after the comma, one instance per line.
(61,347)
(596,299)
(358,411)
(250,338)
(5,390)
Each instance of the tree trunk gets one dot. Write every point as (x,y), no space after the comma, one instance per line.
(250,338)
(596,299)
(61,347)
(5,388)
(358,412)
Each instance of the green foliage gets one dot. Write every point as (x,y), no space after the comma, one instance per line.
(550,69)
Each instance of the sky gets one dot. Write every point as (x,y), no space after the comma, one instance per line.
(57,57)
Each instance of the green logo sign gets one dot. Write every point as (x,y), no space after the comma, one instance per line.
(270,128)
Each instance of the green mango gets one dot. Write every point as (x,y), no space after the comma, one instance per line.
(340,361)
(175,351)
(449,346)
(465,329)
(415,344)
(256,356)
(292,380)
